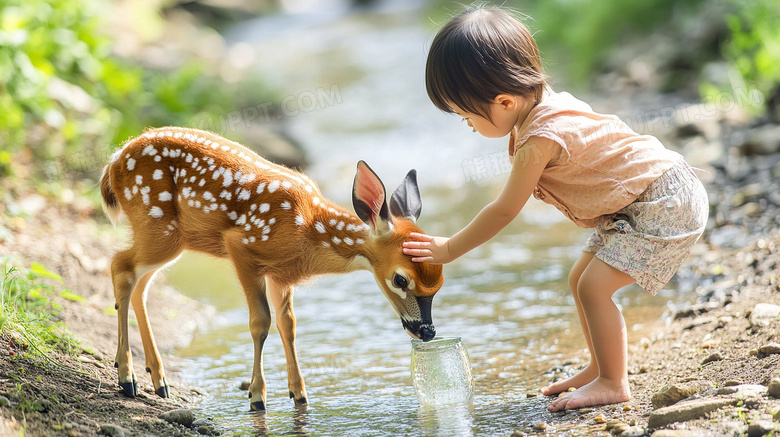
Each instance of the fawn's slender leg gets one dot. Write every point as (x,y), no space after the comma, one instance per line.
(154,363)
(254,287)
(123,277)
(282,300)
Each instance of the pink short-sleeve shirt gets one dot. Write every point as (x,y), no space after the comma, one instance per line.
(603,165)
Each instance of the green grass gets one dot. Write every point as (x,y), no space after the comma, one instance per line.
(28,313)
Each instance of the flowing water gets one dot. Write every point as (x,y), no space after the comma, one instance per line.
(508,299)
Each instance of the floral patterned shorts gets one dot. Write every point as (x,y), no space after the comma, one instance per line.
(650,238)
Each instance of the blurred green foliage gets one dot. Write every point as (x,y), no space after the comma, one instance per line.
(753,51)
(64,96)
(576,37)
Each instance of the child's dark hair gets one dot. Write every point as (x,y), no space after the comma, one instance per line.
(479,54)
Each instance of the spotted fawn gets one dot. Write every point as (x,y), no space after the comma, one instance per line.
(191,189)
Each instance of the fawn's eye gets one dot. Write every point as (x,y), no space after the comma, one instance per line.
(400,282)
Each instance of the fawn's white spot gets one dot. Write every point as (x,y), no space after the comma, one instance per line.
(326,244)
(273,186)
(130,164)
(128,194)
(156,212)
(149,150)
(225,148)
(332,222)
(157,158)
(245,240)
(232,215)
(177,135)
(319,227)
(157,175)
(316,201)
(243,195)
(340,226)
(265,238)
(308,188)
(228,178)
(336,240)
(202,182)
(286,205)
(207,195)
(348,241)
(260,188)
(246,178)
(272,221)
(264,207)
(139,179)
(135,189)
(164,196)
(225,194)
(248,227)
(186,192)
(218,173)
(266,229)
(360,241)
(299,220)
(241,220)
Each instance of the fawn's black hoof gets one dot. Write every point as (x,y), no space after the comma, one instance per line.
(257,406)
(300,401)
(129,389)
(163,392)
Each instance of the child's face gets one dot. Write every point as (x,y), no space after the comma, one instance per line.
(504,112)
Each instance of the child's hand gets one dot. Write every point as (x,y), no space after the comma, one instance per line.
(434,250)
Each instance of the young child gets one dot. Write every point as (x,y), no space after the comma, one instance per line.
(644,201)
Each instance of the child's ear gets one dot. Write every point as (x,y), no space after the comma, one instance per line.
(507,101)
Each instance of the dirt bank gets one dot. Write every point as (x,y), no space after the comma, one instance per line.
(79,396)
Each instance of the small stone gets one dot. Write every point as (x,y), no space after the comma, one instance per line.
(611,424)
(205,430)
(200,422)
(600,419)
(628,407)
(244,385)
(774,388)
(759,428)
(731,382)
(4,401)
(586,410)
(112,430)
(634,431)
(181,416)
(672,394)
(531,394)
(620,428)
(769,349)
(714,357)
(753,352)
(711,343)
(764,314)
(540,426)
(686,411)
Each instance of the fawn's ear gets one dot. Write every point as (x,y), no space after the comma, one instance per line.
(368,199)
(405,201)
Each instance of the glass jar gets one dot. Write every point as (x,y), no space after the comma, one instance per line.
(441,371)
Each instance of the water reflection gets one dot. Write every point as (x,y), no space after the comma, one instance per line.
(449,420)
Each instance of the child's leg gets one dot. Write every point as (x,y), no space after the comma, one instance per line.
(590,372)
(607,329)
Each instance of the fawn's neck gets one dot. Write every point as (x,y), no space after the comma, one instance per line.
(339,235)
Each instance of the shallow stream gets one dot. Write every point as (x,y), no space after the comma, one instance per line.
(508,299)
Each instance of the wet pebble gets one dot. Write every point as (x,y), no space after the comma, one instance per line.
(620,428)
(244,385)
(540,426)
(181,416)
(600,419)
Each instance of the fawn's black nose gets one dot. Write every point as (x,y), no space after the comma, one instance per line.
(427,333)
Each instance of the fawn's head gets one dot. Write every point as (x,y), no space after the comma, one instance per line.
(409,286)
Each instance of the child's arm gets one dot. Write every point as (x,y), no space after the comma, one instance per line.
(529,163)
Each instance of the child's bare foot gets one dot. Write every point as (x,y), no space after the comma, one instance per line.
(599,392)
(582,377)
